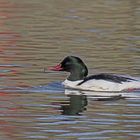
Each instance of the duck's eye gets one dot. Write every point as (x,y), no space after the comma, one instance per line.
(68,63)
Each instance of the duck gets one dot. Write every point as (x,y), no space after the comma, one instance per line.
(79,79)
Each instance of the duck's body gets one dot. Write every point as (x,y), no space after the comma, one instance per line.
(78,78)
(102,84)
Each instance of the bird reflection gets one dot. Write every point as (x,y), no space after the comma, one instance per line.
(77,101)
(75,106)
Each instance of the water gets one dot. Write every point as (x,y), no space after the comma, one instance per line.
(36,34)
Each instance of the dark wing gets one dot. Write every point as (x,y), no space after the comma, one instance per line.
(108,77)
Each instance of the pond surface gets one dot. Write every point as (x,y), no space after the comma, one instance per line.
(35,34)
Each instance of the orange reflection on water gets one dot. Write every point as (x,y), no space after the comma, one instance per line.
(8,42)
(8,110)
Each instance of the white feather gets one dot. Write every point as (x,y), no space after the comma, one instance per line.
(101,85)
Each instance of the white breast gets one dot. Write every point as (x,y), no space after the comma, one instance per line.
(71,84)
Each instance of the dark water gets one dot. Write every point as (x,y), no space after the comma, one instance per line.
(36,34)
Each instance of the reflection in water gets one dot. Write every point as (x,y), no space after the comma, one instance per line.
(78,101)
(43,115)
(75,106)
(8,42)
(104,95)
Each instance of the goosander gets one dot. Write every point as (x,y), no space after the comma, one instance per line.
(78,78)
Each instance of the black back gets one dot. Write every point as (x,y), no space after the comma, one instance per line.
(108,77)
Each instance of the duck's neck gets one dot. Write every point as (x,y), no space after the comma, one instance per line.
(77,75)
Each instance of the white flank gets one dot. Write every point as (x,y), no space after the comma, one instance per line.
(101,85)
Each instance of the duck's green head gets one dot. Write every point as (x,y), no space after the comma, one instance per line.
(75,66)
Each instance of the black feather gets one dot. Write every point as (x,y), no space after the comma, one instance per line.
(108,77)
